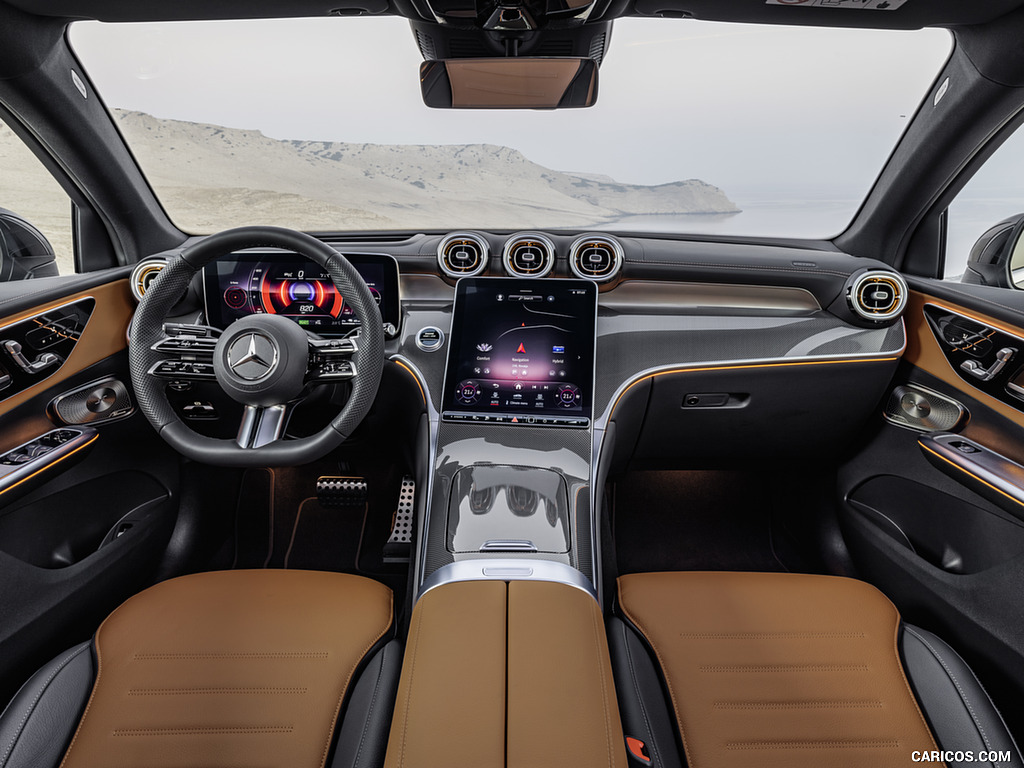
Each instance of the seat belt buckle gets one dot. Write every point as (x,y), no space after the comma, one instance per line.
(637,750)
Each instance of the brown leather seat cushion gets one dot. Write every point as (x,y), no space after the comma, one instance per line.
(779,669)
(233,668)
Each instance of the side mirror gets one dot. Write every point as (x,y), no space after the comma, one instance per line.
(24,250)
(509,83)
(1014,253)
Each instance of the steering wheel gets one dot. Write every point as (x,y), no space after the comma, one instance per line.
(265,362)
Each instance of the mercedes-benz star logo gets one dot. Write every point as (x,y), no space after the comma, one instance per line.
(252,356)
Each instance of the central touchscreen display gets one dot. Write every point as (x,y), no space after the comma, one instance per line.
(522,351)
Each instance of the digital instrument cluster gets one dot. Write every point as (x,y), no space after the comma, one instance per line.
(522,352)
(290,285)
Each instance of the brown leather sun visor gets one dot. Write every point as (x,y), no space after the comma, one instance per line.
(781,670)
(231,669)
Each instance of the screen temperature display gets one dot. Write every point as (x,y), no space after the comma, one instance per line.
(522,352)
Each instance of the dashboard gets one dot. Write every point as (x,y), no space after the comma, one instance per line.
(665,337)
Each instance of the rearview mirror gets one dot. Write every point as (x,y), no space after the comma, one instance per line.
(509,83)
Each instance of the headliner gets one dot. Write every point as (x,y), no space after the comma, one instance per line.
(912,15)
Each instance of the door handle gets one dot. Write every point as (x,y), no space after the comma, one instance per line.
(45,360)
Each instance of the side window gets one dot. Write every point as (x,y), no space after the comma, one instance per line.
(982,232)
(35,215)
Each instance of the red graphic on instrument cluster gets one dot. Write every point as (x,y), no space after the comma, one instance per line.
(297,292)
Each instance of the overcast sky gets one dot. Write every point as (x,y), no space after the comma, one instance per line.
(758,111)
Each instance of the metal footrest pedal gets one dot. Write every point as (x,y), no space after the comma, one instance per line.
(340,492)
(399,546)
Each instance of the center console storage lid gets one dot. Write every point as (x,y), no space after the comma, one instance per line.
(512,674)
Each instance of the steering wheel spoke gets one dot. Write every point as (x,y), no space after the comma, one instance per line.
(330,360)
(262,425)
(186,352)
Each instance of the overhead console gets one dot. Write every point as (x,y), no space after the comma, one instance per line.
(522,352)
(286,284)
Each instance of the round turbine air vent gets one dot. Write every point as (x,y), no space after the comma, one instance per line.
(528,254)
(596,258)
(878,295)
(144,274)
(462,254)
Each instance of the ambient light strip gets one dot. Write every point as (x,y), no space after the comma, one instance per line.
(700,368)
(415,378)
(50,465)
(970,474)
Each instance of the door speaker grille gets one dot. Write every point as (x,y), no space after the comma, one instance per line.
(922,409)
(103,400)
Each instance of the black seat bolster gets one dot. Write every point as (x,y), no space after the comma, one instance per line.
(38,724)
(363,739)
(958,710)
(646,714)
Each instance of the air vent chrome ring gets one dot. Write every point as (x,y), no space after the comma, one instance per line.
(878,295)
(596,257)
(528,254)
(462,254)
(143,275)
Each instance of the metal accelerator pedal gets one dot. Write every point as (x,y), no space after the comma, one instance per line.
(399,545)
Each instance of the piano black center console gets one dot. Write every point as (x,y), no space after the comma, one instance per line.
(512,458)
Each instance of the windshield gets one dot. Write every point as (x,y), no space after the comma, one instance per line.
(699,127)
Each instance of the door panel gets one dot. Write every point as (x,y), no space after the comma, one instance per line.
(104,334)
(83,535)
(944,543)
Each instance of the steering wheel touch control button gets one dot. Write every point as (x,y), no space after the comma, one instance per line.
(430,339)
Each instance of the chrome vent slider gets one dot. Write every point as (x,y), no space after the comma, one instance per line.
(877,295)
(528,254)
(462,254)
(144,274)
(595,257)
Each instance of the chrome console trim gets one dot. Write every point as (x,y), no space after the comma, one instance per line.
(507,570)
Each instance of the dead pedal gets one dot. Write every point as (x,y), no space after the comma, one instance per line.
(340,492)
(399,546)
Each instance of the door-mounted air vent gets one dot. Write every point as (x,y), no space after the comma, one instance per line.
(462,254)
(595,258)
(144,274)
(528,254)
(877,295)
